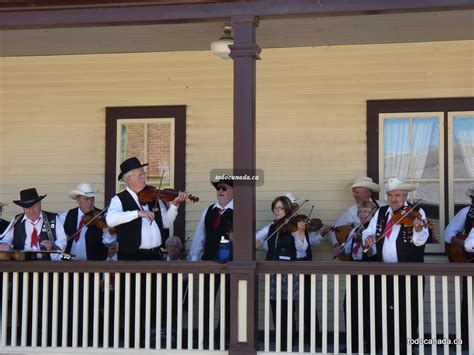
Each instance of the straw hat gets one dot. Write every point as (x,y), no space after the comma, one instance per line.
(364,181)
(83,189)
(398,183)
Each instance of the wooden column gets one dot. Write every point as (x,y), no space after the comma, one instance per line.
(244,52)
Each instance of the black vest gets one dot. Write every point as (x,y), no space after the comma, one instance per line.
(129,235)
(281,246)
(95,249)
(469,224)
(406,250)
(365,257)
(3,225)
(213,236)
(19,233)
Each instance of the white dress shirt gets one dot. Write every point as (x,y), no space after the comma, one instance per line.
(151,236)
(60,242)
(199,238)
(301,245)
(78,248)
(348,250)
(469,242)
(389,252)
(456,225)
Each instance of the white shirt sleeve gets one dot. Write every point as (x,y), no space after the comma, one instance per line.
(456,225)
(301,245)
(315,238)
(7,236)
(371,230)
(261,235)
(420,238)
(168,215)
(116,215)
(469,242)
(61,239)
(199,239)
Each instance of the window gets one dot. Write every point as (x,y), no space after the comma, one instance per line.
(154,134)
(429,143)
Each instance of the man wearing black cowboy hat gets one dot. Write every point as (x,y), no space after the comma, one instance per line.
(216,222)
(34,229)
(138,226)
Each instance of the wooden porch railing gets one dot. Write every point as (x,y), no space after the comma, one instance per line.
(170,306)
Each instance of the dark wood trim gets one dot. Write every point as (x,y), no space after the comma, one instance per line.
(375,107)
(245,270)
(136,112)
(126,14)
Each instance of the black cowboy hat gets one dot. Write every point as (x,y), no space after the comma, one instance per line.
(129,164)
(28,198)
(226,180)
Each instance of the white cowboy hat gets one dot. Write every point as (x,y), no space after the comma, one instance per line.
(398,183)
(83,189)
(293,199)
(364,181)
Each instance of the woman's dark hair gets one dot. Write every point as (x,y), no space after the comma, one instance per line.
(286,204)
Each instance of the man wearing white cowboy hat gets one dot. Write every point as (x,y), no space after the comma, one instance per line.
(86,241)
(395,242)
(362,189)
(34,229)
(3,223)
(463,223)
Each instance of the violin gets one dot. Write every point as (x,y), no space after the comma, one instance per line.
(291,226)
(457,254)
(95,218)
(406,217)
(342,233)
(151,194)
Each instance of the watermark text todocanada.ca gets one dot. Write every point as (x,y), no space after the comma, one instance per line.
(238,177)
(434,341)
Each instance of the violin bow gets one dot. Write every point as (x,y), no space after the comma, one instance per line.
(357,230)
(158,194)
(366,249)
(86,224)
(286,221)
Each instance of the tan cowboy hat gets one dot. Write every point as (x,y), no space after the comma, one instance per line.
(293,199)
(398,183)
(364,181)
(83,189)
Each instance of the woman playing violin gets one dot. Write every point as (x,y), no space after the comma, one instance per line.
(284,240)
(391,242)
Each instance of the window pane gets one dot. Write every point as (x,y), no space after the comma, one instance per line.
(463,150)
(159,151)
(396,147)
(133,135)
(425,148)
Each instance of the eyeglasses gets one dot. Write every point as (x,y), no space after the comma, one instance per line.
(278,208)
(221,187)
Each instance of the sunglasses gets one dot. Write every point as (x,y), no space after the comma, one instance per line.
(221,187)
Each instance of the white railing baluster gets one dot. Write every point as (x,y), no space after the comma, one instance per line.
(222,312)
(117,288)
(312,341)
(212,291)
(421,314)
(95,319)
(325,314)
(396,314)
(4,308)
(179,313)
(54,312)
(65,310)
(372,314)
(444,280)
(46,311)
(336,314)
(360,312)
(384,315)
(470,313)
(148,309)
(190,289)
(85,309)
(457,311)
(169,308)
(289,310)
(159,298)
(266,329)
(201,313)
(24,307)
(128,305)
(278,334)
(433,312)
(301,314)
(75,309)
(105,322)
(34,310)
(138,306)
(409,313)
(348,314)
(14,308)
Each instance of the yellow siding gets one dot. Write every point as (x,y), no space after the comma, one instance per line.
(311,115)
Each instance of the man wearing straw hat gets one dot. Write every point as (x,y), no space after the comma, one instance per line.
(362,189)
(34,229)
(392,243)
(85,241)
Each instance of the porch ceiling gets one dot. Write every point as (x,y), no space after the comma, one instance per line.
(271,33)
